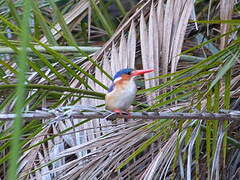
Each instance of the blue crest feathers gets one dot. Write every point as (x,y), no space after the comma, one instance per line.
(121,72)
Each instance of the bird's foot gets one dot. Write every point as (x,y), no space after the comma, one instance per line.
(118,111)
(129,114)
(122,112)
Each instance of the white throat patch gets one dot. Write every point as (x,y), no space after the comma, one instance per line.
(117,79)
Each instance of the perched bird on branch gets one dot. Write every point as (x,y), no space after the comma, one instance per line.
(122,92)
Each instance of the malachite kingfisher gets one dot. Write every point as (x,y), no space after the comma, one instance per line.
(122,92)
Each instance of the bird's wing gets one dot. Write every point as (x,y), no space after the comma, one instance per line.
(110,89)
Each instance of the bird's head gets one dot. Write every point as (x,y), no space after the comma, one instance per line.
(127,74)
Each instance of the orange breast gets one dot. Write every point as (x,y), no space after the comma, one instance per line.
(122,96)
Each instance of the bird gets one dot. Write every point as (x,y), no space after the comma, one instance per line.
(123,90)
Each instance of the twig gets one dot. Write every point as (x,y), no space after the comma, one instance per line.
(89,49)
(135,115)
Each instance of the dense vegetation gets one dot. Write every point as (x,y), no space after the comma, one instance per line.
(58,57)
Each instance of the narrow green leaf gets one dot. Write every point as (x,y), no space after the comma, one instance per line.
(140,149)
(60,57)
(12,26)
(42,22)
(62,100)
(216,104)
(178,147)
(227,97)
(7,100)
(96,64)
(2,72)
(120,7)
(224,70)
(7,42)
(179,97)
(39,99)
(232,21)
(7,66)
(104,10)
(197,147)
(20,91)
(211,40)
(208,133)
(63,24)
(199,67)
(55,88)
(101,17)
(49,65)
(38,70)
(13,11)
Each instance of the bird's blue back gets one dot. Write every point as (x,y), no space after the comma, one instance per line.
(111,88)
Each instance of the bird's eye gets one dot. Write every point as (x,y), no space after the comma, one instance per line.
(129,73)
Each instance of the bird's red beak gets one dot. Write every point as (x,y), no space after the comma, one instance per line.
(140,72)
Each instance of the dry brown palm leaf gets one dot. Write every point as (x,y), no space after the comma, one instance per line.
(72,18)
(112,149)
(29,158)
(120,55)
(161,28)
(179,27)
(158,48)
(150,48)
(122,137)
(226,9)
(122,51)
(159,161)
(131,45)
(160,165)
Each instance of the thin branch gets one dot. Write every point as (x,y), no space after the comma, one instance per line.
(39,115)
(89,49)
